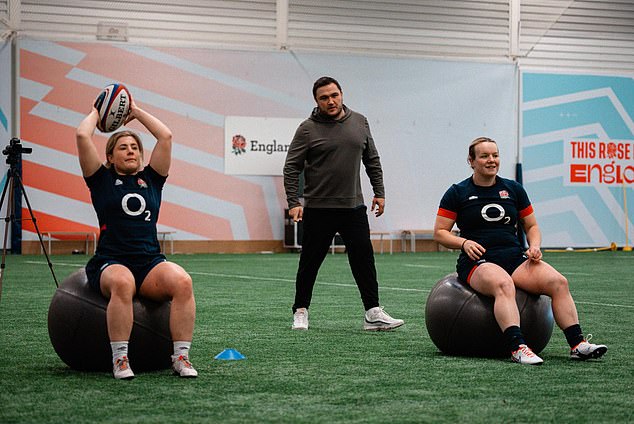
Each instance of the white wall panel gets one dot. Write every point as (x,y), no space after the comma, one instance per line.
(588,35)
(187,22)
(466,29)
(593,35)
(4,19)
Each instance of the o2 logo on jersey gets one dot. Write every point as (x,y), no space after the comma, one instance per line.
(499,217)
(140,209)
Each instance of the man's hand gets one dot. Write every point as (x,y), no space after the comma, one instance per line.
(378,206)
(296,213)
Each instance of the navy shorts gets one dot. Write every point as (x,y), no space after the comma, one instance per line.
(139,266)
(509,259)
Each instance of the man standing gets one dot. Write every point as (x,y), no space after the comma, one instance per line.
(329,148)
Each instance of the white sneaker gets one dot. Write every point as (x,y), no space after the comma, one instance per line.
(376,319)
(300,319)
(524,355)
(586,350)
(182,367)
(121,369)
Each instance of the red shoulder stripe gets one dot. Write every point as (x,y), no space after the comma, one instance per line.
(447,213)
(526,211)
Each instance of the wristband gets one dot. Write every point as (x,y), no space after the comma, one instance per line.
(462,245)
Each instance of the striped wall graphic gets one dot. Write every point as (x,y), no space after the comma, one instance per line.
(556,108)
(5,117)
(191,91)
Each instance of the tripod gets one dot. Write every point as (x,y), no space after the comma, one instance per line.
(13,184)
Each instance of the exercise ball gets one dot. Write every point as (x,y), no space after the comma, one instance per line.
(460,321)
(77,329)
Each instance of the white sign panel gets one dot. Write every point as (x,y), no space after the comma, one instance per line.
(257,146)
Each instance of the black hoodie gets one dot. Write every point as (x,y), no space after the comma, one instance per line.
(330,153)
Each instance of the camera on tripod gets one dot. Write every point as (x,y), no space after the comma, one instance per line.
(14,187)
(14,151)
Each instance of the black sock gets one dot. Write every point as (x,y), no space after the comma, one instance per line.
(514,337)
(574,335)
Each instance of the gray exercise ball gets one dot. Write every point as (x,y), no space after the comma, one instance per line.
(460,321)
(77,329)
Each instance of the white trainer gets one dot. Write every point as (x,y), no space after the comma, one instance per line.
(586,350)
(376,319)
(182,367)
(524,355)
(300,319)
(121,369)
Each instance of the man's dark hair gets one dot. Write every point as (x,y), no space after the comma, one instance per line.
(323,81)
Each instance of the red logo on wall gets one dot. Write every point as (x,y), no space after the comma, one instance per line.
(238,144)
(605,162)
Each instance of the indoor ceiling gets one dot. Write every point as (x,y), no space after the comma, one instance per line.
(595,35)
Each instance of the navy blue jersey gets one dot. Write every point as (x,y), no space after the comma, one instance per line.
(487,215)
(127,208)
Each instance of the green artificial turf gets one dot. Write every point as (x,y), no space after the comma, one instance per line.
(334,372)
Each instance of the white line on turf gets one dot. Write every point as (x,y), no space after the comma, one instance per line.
(603,304)
(422,266)
(382,287)
(55,264)
(285,280)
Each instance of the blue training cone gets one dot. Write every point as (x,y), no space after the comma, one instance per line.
(230,355)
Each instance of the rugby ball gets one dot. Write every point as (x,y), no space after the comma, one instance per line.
(113,105)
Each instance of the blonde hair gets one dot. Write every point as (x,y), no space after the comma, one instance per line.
(475,142)
(112,142)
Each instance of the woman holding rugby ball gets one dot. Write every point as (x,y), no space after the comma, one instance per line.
(126,196)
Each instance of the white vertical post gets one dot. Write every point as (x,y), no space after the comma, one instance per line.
(282,24)
(514,28)
(514,49)
(15,22)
